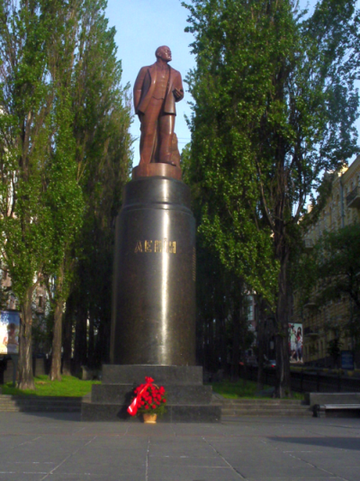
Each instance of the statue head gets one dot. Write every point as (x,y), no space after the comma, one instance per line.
(164,53)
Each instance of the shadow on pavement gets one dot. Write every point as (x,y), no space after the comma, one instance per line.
(73,417)
(326,442)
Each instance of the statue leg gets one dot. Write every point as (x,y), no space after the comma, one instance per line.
(149,127)
(166,132)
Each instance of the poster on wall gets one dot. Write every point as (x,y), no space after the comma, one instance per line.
(296,342)
(9,332)
(347,360)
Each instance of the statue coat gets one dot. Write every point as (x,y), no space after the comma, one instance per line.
(145,85)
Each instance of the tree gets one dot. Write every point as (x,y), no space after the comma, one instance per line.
(101,128)
(274,108)
(101,120)
(64,199)
(28,136)
(222,302)
(223,334)
(64,120)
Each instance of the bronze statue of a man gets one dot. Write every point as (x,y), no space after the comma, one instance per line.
(156,90)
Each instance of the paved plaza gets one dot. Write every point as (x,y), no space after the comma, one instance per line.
(54,447)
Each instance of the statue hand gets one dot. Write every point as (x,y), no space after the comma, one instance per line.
(178,94)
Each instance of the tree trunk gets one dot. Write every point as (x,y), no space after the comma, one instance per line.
(25,367)
(91,342)
(235,345)
(283,388)
(211,346)
(260,340)
(200,343)
(223,345)
(260,373)
(102,343)
(67,337)
(206,346)
(80,352)
(55,371)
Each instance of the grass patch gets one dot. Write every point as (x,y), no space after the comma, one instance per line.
(240,389)
(68,386)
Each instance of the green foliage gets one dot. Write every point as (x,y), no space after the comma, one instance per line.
(222,325)
(41,201)
(274,106)
(102,121)
(64,142)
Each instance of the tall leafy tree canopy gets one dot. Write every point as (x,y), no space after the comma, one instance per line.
(102,123)
(275,106)
(64,124)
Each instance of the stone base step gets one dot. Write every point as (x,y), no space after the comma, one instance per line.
(262,402)
(38,409)
(264,407)
(266,412)
(39,404)
(174,413)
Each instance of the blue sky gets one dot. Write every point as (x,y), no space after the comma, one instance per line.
(144,25)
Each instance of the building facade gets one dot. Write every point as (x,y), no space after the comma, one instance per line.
(321,326)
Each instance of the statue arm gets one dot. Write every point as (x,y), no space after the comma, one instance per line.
(178,90)
(139,82)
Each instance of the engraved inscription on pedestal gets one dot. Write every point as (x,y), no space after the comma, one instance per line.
(154,289)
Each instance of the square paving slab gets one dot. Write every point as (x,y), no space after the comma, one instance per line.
(58,447)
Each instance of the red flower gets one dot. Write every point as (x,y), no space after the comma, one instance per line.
(150,398)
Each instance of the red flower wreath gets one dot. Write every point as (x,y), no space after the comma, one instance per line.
(149,398)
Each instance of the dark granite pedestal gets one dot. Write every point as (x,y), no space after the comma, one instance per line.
(188,400)
(153,311)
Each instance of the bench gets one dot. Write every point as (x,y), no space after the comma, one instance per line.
(319,410)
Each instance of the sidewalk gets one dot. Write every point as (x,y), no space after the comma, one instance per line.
(58,447)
